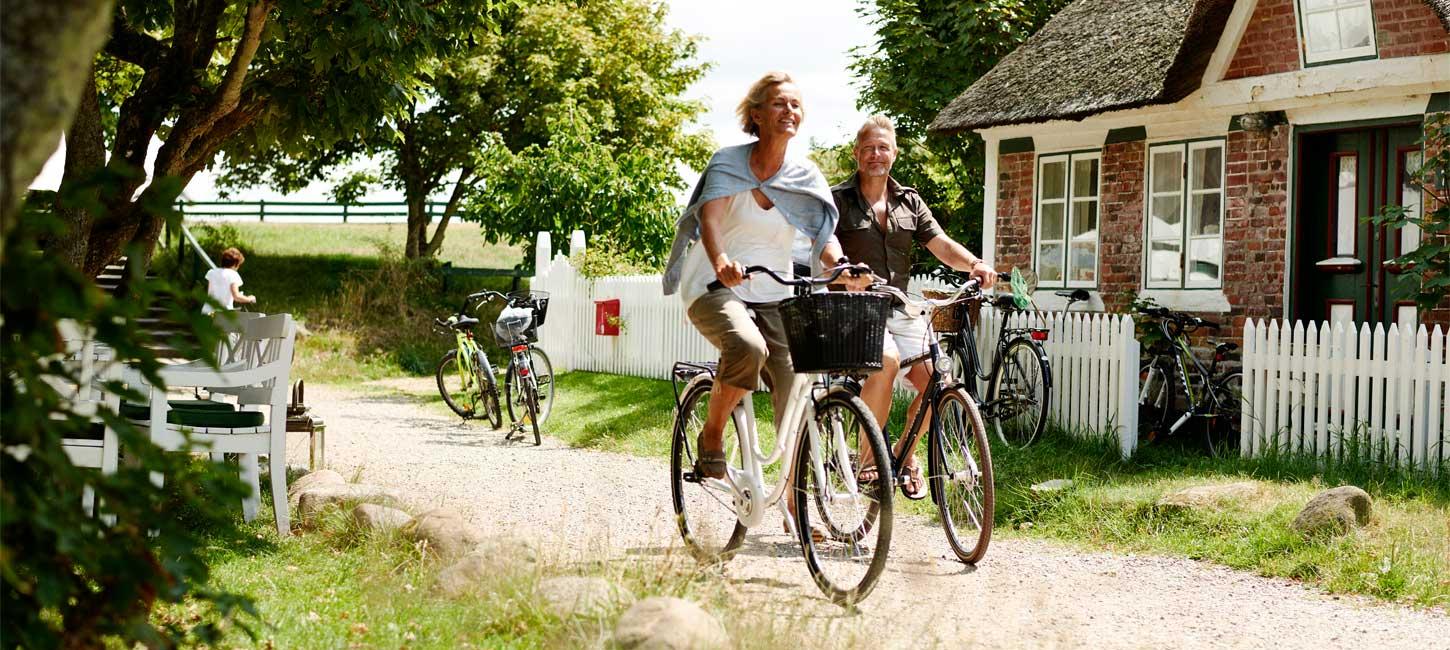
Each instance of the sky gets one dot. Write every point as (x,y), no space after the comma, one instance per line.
(743,39)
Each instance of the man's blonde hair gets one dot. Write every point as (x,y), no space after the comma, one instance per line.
(755,98)
(877,122)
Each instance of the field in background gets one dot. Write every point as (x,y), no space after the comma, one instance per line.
(463,245)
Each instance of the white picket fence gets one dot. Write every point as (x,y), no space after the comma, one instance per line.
(1317,389)
(1094,357)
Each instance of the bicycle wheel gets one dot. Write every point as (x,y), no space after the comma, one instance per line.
(961,476)
(1155,400)
(459,387)
(704,509)
(531,402)
(543,373)
(1221,432)
(844,566)
(492,410)
(1019,394)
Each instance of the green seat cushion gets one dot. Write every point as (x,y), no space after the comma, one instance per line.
(132,411)
(215,419)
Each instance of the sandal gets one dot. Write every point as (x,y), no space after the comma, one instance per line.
(818,534)
(709,464)
(914,487)
(868,475)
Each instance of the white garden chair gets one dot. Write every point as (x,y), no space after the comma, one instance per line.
(91,365)
(258,427)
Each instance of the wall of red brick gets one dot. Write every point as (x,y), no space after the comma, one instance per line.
(1014,210)
(1121,223)
(1408,28)
(1270,43)
(1255,231)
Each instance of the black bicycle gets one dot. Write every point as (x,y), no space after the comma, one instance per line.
(1019,379)
(466,379)
(1212,397)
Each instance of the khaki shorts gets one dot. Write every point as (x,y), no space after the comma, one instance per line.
(908,336)
(746,346)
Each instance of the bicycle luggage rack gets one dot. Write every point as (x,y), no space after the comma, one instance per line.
(684,371)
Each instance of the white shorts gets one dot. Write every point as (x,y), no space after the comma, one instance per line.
(907,336)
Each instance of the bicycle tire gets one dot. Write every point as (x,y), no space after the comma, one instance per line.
(537,361)
(967,521)
(1155,400)
(703,512)
(1020,402)
(493,411)
(832,554)
(531,401)
(465,403)
(1221,432)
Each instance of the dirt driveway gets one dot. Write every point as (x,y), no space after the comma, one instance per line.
(1025,594)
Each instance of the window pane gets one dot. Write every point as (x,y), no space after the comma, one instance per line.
(1322,32)
(1410,198)
(1354,27)
(1207,255)
(1205,215)
(1084,261)
(1054,180)
(1167,217)
(1164,261)
(1167,171)
(1085,178)
(1345,197)
(1084,220)
(1049,263)
(1052,220)
(1207,168)
(1318,4)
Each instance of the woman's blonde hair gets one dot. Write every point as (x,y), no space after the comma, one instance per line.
(756,98)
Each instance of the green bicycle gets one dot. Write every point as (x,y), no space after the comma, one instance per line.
(467,379)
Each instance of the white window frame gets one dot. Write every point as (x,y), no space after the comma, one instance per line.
(1302,14)
(1185,203)
(1069,202)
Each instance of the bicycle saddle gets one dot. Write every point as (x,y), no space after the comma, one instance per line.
(1076,295)
(1225,348)
(463,322)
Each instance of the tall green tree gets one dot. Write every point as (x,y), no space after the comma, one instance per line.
(926,53)
(215,76)
(569,116)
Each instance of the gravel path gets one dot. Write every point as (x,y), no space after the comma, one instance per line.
(1025,594)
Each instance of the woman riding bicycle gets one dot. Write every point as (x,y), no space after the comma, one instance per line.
(746,209)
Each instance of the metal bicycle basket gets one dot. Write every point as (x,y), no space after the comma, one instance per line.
(538,301)
(836,330)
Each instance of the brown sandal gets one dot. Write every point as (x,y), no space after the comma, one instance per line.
(915,487)
(709,464)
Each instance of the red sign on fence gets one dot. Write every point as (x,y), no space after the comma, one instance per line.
(606,317)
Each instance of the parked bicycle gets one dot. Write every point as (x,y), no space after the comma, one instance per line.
(1215,398)
(467,380)
(822,430)
(959,457)
(1019,378)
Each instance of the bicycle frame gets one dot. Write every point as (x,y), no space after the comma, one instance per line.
(1005,336)
(469,354)
(1184,361)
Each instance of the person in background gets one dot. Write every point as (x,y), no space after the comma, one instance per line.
(880,219)
(224,283)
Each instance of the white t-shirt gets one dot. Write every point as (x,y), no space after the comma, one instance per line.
(751,236)
(219,283)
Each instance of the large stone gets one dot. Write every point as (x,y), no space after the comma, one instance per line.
(1055,486)
(493,561)
(445,531)
(1213,496)
(570,596)
(311,480)
(371,516)
(313,501)
(664,623)
(1334,511)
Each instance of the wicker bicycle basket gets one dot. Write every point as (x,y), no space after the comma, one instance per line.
(835,331)
(947,318)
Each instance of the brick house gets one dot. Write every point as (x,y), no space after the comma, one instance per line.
(1213,155)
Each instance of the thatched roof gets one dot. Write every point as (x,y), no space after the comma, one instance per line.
(1441,9)
(1095,56)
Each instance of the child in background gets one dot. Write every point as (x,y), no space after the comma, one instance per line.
(224,284)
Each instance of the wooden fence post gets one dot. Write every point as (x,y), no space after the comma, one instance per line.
(262,211)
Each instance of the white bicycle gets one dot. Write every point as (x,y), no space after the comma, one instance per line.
(844,525)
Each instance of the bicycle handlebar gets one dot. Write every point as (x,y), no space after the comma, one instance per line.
(854,269)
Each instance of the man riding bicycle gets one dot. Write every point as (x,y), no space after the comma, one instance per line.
(879,220)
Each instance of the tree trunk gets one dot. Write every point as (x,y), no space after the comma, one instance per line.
(85,154)
(46,50)
(436,243)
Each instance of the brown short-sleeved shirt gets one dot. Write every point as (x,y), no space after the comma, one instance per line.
(887,251)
